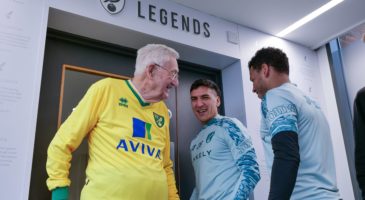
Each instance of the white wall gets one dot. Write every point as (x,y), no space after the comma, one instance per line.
(233,91)
(354,68)
(22,32)
(327,98)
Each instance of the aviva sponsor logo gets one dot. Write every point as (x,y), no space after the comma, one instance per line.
(141,129)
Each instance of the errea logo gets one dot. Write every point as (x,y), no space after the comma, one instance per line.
(113,6)
(123,102)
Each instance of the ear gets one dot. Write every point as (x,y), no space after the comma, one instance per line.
(218,101)
(265,69)
(149,70)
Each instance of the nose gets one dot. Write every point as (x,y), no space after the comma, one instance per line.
(253,90)
(198,102)
(175,82)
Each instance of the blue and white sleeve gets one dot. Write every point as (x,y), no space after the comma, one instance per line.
(245,157)
(280,114)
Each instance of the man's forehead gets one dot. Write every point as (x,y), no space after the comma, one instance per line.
(173,64)
(204,90)
(254,71)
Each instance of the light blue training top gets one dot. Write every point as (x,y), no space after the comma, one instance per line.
(286,108)
(224,161)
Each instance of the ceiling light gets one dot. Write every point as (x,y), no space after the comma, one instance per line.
(309,17)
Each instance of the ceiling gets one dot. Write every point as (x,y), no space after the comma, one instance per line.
(272,16)
(355,34)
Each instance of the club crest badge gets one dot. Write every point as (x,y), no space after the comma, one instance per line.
(209,137)
(113,6)
(160,121)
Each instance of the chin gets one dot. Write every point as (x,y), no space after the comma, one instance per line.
(166,93)
(164,96)
(203,120)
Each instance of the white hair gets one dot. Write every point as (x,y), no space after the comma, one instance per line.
(153,54)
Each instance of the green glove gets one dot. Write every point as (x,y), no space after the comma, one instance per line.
(60,193)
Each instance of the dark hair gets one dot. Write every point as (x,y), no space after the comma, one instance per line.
(206,83)
(271,56)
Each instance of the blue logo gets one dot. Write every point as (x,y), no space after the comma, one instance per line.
(141,129)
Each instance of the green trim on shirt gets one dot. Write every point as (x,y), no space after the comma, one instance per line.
(136,94)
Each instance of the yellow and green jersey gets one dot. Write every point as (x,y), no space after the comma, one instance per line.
(129,145)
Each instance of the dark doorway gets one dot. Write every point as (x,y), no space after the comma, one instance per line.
(63,48)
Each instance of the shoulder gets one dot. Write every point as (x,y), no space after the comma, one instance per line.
(108,82)
(282,100)
(220,120)
(285,91)
(162,104)
(232,120)
(232,130)
(230,123)
(283,95)
(360,94)
(107,85)
(160,109)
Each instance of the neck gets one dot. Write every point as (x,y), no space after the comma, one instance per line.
(279,79)
(142,85)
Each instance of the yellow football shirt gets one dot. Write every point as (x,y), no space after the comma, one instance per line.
(129,145)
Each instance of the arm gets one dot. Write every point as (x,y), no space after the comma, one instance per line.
(285,166)
(69,137)
(245,159)
(170,180)
(280,115)
(250,175)
(168,168)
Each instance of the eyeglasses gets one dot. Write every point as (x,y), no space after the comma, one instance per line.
(173,74)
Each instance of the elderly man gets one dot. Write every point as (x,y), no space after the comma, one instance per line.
(127,126)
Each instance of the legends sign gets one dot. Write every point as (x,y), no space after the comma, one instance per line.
(174,19)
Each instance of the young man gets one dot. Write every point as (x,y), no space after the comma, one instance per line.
(127,127)
(222,153)
(294,131)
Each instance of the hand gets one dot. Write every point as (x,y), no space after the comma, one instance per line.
(60,193)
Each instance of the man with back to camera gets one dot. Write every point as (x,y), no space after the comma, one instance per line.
(222,153)
(359,133)
(294,131)
(127,126)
